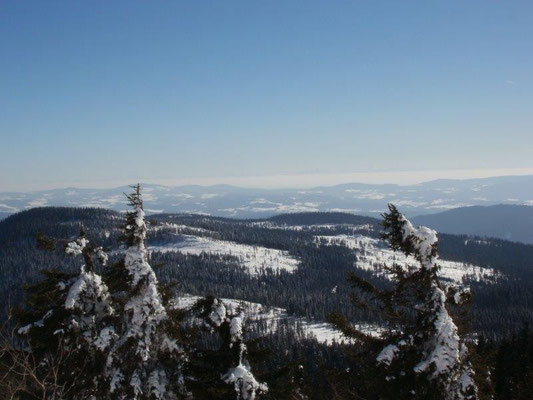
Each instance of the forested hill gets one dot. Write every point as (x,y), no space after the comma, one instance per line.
(295,261)
(316,218)
(59,220)
(504,221)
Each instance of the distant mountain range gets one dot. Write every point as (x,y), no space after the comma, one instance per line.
(230,201)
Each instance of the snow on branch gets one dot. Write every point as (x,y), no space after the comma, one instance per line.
(423,240)
(76,247)
(246,386)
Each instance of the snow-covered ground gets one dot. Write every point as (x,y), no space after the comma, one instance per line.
(477,241)
(254,259)
(325,333)
(372,255)
(354,228)
(272,317)
(178,228)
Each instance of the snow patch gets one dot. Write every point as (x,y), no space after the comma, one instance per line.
(254,259)
(372,255)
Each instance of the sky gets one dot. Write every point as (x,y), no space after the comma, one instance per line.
(100,93)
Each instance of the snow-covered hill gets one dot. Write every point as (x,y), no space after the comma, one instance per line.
(296,262)
(253,259)
(372,254)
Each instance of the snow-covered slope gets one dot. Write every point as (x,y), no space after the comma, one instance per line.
(372,254)
(253,258)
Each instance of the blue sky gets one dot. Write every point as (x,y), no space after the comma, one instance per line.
(98,93)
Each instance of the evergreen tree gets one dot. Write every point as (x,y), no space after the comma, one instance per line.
(225,372)
(146,360)
(421,355)
(110,336)
(66,326)
(513,366)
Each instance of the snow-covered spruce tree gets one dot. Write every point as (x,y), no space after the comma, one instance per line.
(224,372)
(88,297)
(146,359)
(66,327)
(421,355)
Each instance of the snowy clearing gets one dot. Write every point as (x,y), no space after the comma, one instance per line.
(372,254)
(178,228)
(255,259)
(354,228)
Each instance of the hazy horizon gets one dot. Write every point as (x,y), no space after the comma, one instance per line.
(299,181)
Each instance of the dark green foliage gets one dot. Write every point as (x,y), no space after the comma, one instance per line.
(218,353)
(61,361)
(130,228)
(21,260)
(513,372)
(45,243)
(393,231)
(213,358)
(317,218)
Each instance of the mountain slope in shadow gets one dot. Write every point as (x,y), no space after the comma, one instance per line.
(509,222)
